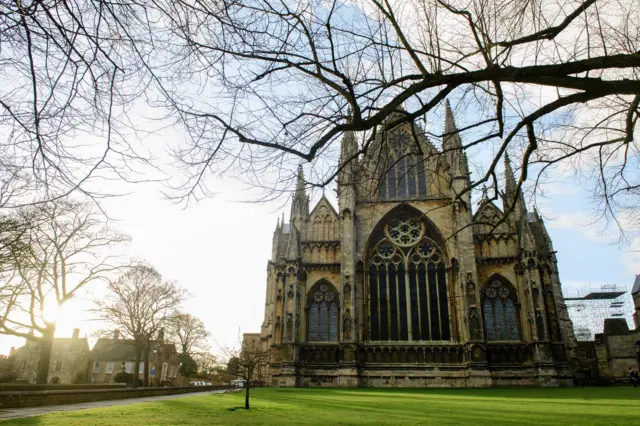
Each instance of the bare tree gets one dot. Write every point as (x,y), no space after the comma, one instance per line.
(190,334)
(61,247)
(552,82)
(206,363)
(140,304)
(71,73)
(248,362)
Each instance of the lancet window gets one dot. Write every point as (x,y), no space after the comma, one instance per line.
(500,311)
(407,284)
(322,313)
(403,175)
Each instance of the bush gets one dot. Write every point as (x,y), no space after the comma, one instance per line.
(8,377)
(81,378)
(54,381)
(127,378)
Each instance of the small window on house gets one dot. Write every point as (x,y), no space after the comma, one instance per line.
(33,346)
(110,367)
(170,372)
(128,367)
(152,370)
(96,367)
(23,365)
(65,347)
(141,369)
(58,366)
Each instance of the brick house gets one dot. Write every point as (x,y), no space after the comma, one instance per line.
(111,356)
(69,358)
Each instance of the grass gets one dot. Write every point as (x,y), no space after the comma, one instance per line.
(566,406)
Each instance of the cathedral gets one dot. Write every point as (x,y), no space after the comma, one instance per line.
(407,284)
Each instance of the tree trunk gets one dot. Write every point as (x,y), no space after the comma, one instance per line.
(136,367)
(246,394)
(46,342)
(146,365)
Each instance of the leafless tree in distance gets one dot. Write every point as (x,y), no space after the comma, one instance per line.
(61,247)
(249,362)
(190,335)
(140,304)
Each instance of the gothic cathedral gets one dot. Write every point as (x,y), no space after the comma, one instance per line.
(407,285)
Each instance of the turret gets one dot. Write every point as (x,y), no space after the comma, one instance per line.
(635,294)
(277,235)
(300,203)
(511,190)
(348,169)
(455,156)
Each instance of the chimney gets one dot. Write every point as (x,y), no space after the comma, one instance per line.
(116,333)
(76,333)
(161,335)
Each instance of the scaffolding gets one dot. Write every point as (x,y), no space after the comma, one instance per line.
(588,308)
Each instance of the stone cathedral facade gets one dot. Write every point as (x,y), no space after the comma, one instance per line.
(407,284)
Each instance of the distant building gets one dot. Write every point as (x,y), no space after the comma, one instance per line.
(111,356)
(69,358)
(617,348)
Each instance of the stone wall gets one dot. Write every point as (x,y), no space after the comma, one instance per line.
(39,398)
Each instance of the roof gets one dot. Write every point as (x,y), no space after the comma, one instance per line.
(598,295)
(540,238)
(636,285)
(122,349)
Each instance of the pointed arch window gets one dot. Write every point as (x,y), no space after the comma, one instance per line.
(322,313)
(500,311)
(403,173)
(408,298)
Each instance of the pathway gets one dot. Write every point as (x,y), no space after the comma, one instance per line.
(16,413)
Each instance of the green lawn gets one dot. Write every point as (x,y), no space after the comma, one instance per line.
(583,406)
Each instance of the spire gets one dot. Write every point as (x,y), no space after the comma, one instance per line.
(511,185)
(452,144)
(510,181)
(300,182)
(300,204)
(451,135)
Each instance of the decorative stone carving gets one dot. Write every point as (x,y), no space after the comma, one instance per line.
(347,324)
(475,330)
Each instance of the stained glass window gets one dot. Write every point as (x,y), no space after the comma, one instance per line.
(403,174)
(323,313)
(499,312)
(406,262)
(313,322)
(333,322)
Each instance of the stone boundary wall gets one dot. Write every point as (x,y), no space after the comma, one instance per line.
(18,387)
(23,399)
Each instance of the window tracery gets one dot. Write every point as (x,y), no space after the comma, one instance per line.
(407,284)
(323,313)
(403,176)
(500,311)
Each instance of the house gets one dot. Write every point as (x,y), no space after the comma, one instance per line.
(111,356)
(68,362)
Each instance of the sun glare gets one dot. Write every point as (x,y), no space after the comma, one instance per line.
(50,311)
